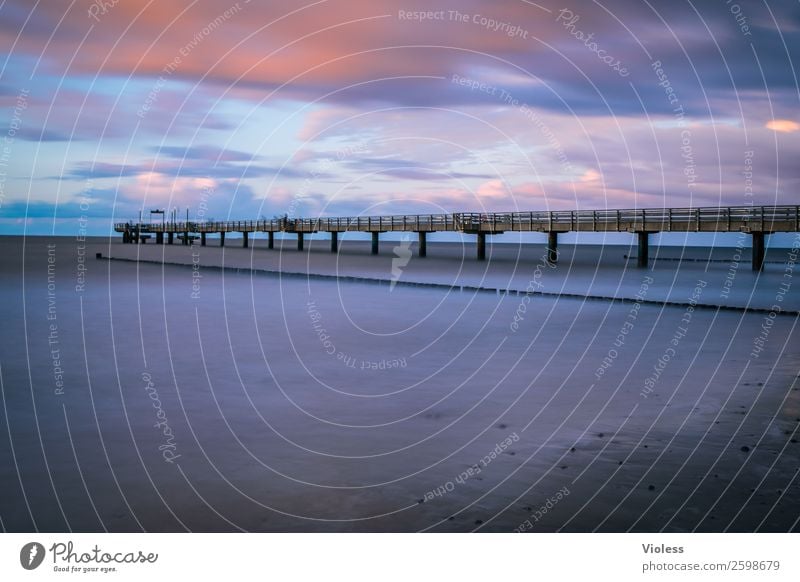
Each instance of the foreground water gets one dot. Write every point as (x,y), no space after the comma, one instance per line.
(163,398)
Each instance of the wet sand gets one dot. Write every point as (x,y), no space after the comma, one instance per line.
(208,400)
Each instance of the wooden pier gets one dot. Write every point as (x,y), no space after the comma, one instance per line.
(757,221)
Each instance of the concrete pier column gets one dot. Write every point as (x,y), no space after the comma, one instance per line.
(143,239)
(375,243)
(423,244)
(202,239)
(481,246)
(758,251)
(124,237)
(222,239)
(334,241)
(160,238)
(644,250)
(270,240)
(299,241)
(552,247)
(186,240)
(170,237)
(245,239)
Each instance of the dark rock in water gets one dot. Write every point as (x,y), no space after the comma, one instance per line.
(528,508)
(501,425)
(619,462)
(478,521)
(420,501)
(745,449)
(651,487)
(572,450)
(600,434)
(563,466)
(451,518)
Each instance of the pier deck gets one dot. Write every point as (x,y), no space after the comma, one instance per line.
(757,221)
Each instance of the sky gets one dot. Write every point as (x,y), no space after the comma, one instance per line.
(240,110)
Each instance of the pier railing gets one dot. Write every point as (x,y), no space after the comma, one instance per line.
(701,219)
(709,219)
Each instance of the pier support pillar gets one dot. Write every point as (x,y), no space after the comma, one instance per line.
(644,250)
(423,244)
(270,240)
(481,246)
(159,238)
(143,239)
(202,239)
(299,241)
(124,237)
(170,237)
(758,251)
(245,239)
(552,247)
(222,239)
(186,240)
(375,243)
(334,242)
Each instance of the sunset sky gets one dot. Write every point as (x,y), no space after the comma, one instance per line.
(343,108)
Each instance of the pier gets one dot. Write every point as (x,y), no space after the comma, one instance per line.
(756,221)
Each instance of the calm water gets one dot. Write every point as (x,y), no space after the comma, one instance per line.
(172,398)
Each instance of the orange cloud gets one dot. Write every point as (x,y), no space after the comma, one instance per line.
(783,125)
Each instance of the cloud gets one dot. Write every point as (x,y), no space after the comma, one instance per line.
(194,166)
(359,53)
(783,125)
(204,153)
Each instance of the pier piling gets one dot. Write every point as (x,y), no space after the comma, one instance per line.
(481,246)
(552,247)
(758,251)
(423,243)
(643,257)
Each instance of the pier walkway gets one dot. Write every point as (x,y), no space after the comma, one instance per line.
(757,221)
